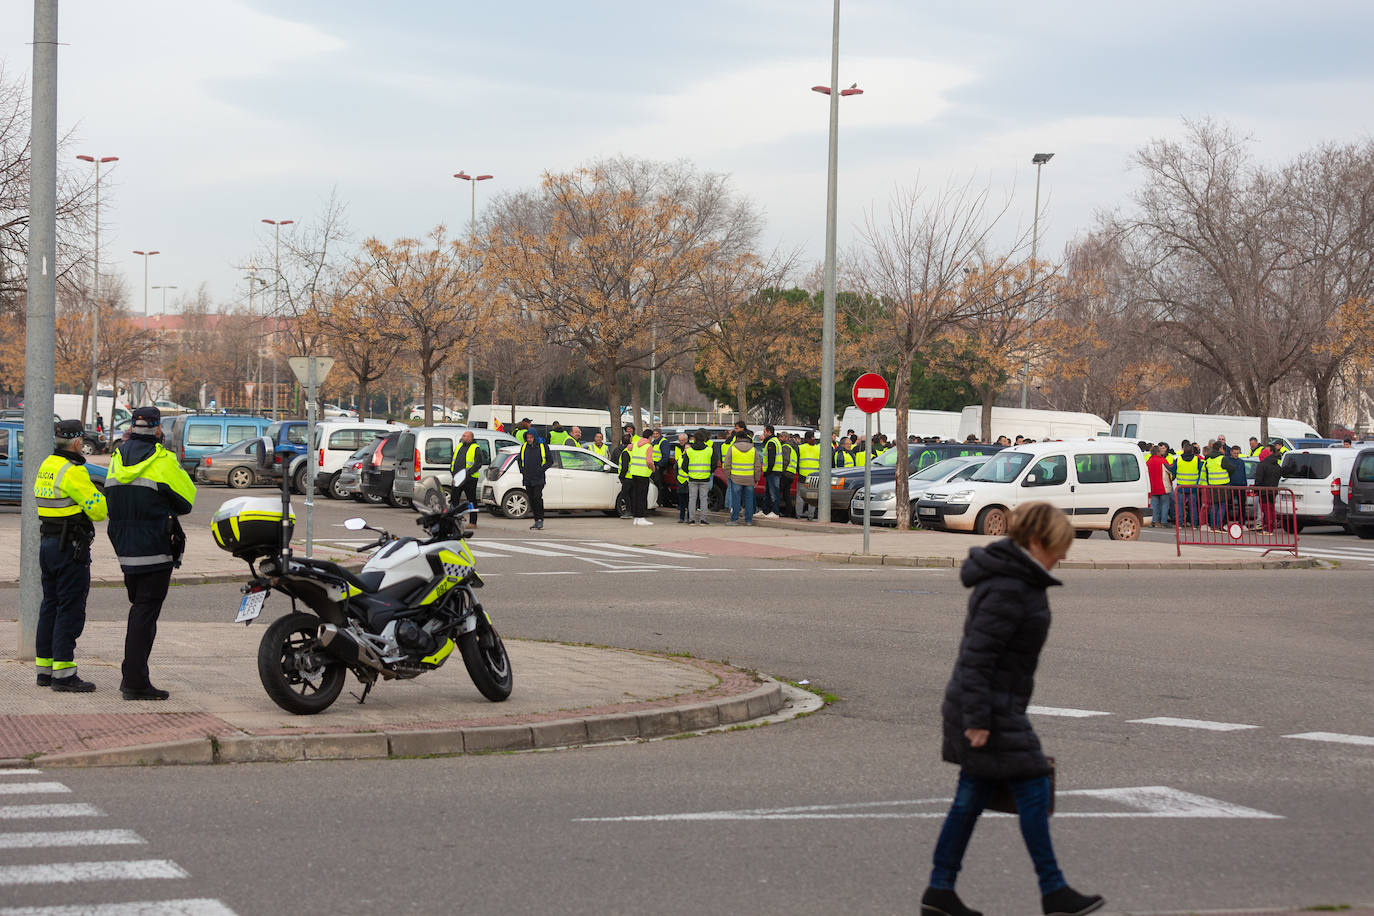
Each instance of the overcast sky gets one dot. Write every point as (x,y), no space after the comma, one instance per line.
(227,112)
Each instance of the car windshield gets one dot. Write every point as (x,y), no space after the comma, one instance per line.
(1003,467)
(938,470)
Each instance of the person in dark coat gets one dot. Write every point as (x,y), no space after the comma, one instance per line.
(534,461)
(986,730)
(1268,475)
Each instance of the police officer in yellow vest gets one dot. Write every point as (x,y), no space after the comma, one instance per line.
(698,462)
(808,463)
(68,504)
(641,468)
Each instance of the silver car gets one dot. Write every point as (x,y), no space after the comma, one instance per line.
(235,466)
(883,506)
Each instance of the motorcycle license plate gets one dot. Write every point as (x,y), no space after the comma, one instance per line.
(251,606)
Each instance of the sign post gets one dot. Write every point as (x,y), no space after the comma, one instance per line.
(870,396)
(311,372)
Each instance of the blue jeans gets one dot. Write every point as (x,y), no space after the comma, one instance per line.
(742,494)
(1033,807)
(1159,508)
(772,491)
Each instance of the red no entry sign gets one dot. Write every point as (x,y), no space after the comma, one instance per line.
(870,392)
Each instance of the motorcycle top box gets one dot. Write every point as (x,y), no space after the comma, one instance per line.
(250,526)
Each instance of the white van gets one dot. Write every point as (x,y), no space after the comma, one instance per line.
(68,407)
(1099,485)
(1319,478)
(1163,426)
(486,416)
(427,451)
(1033,424)
(334,441)
(920,423)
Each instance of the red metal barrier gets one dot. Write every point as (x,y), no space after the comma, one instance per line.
(1236,517)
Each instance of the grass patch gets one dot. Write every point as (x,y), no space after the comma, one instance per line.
(826,696)
(1326,908)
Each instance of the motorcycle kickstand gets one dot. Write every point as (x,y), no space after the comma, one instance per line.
(367,688)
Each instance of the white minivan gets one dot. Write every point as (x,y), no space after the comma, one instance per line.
(1099,485)
(1319,479)
(335,440)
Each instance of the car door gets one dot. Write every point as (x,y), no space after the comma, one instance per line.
(586,482)
(553,482)
(404,484)
(1050,480)
(10,472)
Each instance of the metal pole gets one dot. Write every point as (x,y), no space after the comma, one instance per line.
(145,294)
(827,418)
(41,311)
(310,462)
(276,309)
(868,473)
(1035,237)
(95,306)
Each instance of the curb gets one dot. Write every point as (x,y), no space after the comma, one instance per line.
(859,559)
(763,701)
(182,578)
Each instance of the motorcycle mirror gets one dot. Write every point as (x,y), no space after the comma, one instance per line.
(354,524)
(263,449)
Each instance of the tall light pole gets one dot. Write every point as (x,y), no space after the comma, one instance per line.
(97,161)
(472,231)
(828,305)
(146,256)
(164,297)
(1038,160)
(253,282)
(276,298)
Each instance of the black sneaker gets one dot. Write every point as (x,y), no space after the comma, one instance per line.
(1068,902)
(939,902)
(143,693)
(44,680)
(72,684)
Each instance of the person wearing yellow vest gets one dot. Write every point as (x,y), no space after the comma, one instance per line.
(598,446)
(808,463)
(1188,473)
(680,477)
(1214,474)
(68,505)
(558,437)
(626,487)
(146,490)
(466,457)
(1255,448)
(641,469)
(738,461)
(697,465)
(534,460)
(790,463)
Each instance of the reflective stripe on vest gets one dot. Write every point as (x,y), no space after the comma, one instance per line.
(641,459)
(603,449)
(1187,471)
(48,496)
(809,458)
(1217,476)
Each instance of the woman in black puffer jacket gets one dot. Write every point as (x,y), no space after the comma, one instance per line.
(986,730)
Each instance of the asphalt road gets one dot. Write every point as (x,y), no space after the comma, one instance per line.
(835,813)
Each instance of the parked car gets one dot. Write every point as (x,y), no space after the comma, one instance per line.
(577,480)
(288,444)
(844,481)
(1360,495)
(331,411)
(169,406)
(12,463)
(427,451)
(192,436)
(437,412)
(1318,478)
(236,466)
(882,504)
(335,441)
(1098,484)
(377,476)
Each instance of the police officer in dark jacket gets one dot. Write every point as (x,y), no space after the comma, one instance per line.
(146,490)
(534,461)
(986,730)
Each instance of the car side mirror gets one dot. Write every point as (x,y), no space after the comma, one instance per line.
(1030,481)
(263,448)
(355,524)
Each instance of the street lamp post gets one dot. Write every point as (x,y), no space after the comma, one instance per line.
(472,231)
(1038,160)
(146,256)
(97,161)
(276,298)
(827,418)
(253,282)
(164,297)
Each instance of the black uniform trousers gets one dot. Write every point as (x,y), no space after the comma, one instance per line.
(146,591)
(66,567)
(536,494)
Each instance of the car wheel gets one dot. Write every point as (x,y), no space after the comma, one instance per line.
(1364,532)
(331,488)
(298,480)
(1125,526)
(434,501)
(239,478)
(515,504)
(396,501)
(88,447)
(715,499)
(915,516)
(992,520)
(1083,533)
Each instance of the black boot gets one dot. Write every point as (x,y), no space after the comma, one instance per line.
(143,693)
(71,684)
(939,902)
(44,679)
(1068,902)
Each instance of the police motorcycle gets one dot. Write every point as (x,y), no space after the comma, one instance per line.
(400,617)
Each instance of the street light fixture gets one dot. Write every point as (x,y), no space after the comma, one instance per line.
(1038,160)
(97,161)
(146,256)
(276,225)
(472,230)
(828,310)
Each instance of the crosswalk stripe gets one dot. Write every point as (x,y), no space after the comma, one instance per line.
(32,788)
(645,550)
(19,772)
(193,907)
(485,554)
(73,872)
(1064,712)
(521,548)
(1193,723)
(48,838)
(19,812)
(576,549)
(1335,738)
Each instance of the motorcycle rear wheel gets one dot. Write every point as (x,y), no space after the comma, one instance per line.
(303,692)
(489,668)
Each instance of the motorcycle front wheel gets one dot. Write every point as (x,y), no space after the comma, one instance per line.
(488,666)
(294,669)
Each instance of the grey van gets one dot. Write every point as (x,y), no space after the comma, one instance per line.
(194,435)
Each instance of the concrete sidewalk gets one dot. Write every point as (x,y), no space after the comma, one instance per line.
(218,713)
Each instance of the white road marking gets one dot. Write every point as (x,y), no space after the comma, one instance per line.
(1144,802)
(577,549)
(1335,738)
(32,788)
(19,772)
(195,907)
(1193,723)
(48,838)
(484,554)
(551,572)
(18,812)
(645,550)
(521,548)
(1064,712)
(73,872)
(776,569)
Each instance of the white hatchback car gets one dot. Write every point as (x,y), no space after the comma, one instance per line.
(577,479)
(882,507)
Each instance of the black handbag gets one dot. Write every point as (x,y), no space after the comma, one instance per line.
(1003,800)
